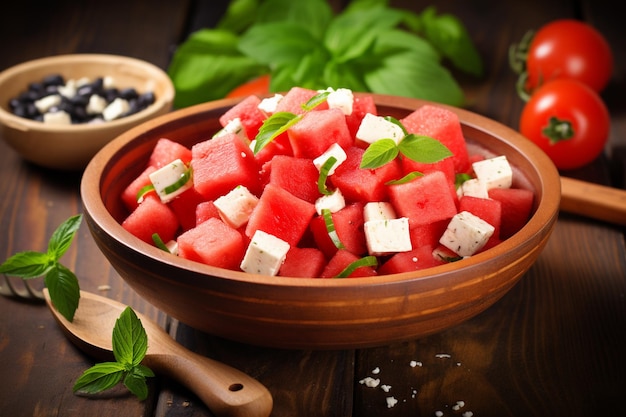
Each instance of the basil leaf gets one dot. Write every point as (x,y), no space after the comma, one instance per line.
(158,242)
(379,153)
(423,149)
(325,169)
(27,264)
(136,384)
(239,15)
(313,15)
(130,342)
(316,100)
(363,262)
(64,290)
(407,178)
(397,123)
(62,237)
(272,127)
(330,228)
(100,377)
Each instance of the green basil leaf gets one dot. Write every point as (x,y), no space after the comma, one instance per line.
(158,242)
(325,169)
(27,264)
(407,178)
(239,15)
(64,290)
(460,178)
(62,237)
(272,127)
(363,262)
(330,228)
(143,371)
(312,15)
(136,384)
(143,191)
(180,182)
(423,149)
(316,100)
(345,74)
(100,377)
(130,341)
(379,153)
(397,123)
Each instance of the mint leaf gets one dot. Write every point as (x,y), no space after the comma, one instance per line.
(130,342)
(423,149)
(63,236)
(64,290)
(27,264)
(272,127)
(379,153)
(316,100)
(136,383)
(100,377)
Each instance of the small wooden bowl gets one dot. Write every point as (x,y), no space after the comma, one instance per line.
(70,147)
(314,313)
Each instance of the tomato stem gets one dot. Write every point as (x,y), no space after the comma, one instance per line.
(558,130)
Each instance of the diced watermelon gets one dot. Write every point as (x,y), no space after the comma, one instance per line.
(414,260)
(281,214)
(294,99)
(317,130)
(341,261)
(184,206)
(206,210)
(297,175)
(443,125)
(348,224)
(222,163)
(303,263)
(248,113)
(214,243)
(361,105)
(152,216)
(517,204)
(129,194)
(428,234)
(363,185)
(423,200)
(278,146)
(166,151)
(446,165)
(489,210)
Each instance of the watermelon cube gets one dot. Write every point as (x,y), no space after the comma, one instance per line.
(303,263)
(166,151)
(424,200)
(205,211)
(129,194)
(317,130)
(517,205)
(414,260)
(361,105)
(184,206)
(297,175)
(340,261)
(293,100)
(152,216)
(222,163)
(444,125)
(248,113)
(348,224)
(214,243)
(281,214)
(428,234)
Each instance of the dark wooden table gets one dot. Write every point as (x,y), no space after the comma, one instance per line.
(553,346)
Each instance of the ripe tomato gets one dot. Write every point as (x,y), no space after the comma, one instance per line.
(569,48)
(568,121)
(259,86)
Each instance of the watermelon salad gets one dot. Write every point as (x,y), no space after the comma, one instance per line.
(318,184)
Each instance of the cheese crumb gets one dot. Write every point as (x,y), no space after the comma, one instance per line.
(370,382)
(391,402)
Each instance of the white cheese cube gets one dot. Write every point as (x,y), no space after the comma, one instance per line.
(494,172)
(82,81)
(341,99)
(381,210)
(333,150)
(57,118)
(115,109)
(69,89)
(236,206)
(333,202)
(172,246)
(108,82)
(166,180)
(46,103)
(474,188)
(374,128)
(265,254)
(96,104)
(466,234)
(387,236)
(234,126)
(268,105)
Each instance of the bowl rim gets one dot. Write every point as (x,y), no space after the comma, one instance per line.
(159,76)
(545,214)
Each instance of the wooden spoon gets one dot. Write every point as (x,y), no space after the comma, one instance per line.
(593,200)
(225,390)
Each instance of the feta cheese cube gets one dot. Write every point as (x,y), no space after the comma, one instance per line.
(268,105)
(474,188)
(381,210)
(373,128)
(234,126)
(168,176)
(57,118)
(342,99)
(265,254)
(466,234)
(333,202)
(236,206)
(494,172)
(46,103)
(333,150)
(385,236)
(96,104)
(115,109)
(69,89)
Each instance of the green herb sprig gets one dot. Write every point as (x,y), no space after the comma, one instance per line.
(418,148)
(60,281)
(368,47)
(130,344)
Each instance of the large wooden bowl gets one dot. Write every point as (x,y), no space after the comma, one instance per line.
(314,313)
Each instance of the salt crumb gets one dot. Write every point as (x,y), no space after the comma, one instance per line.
(385,388)
(443,355)
(376,371)
(391,402)
(104,287)
(438,413)
(370,382)
(458,364)
(413,364)
(467,414)
(413,393)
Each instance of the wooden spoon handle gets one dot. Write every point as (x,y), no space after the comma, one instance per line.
(226,391)
(592,200)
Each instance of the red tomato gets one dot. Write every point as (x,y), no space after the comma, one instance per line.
(567,120)
(569,48)
(258,86)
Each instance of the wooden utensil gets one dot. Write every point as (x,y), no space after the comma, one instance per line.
(593,200)
(225,390)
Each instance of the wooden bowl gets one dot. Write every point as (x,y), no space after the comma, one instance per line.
(70,147)
(314,313)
